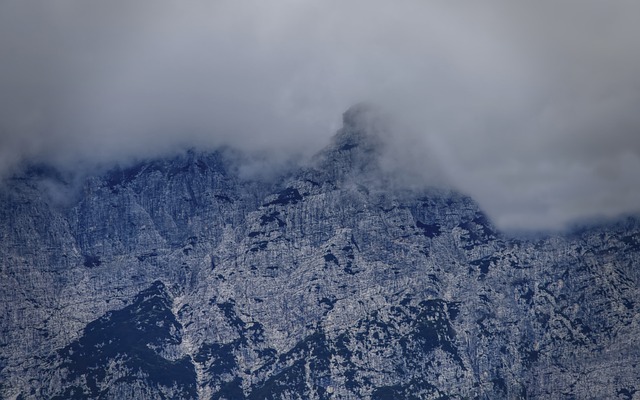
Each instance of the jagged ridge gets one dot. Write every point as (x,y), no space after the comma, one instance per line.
(176,278)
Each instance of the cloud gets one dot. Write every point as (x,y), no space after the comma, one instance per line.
(530,108)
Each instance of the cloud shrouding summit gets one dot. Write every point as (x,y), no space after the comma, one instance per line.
(530,108)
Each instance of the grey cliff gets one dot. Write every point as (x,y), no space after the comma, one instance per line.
(177,278)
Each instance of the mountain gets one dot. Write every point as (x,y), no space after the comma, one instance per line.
(177,278)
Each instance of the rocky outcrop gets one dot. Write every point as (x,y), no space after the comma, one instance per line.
(176,278)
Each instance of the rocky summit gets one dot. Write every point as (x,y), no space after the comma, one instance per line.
(179,279)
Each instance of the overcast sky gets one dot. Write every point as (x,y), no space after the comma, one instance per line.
(532,108)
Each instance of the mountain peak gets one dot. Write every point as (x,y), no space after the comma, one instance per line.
(359,113)
(362,128)
(356,147)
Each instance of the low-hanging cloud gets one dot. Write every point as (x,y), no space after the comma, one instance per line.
(530,108)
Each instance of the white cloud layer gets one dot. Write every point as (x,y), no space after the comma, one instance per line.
(531,108)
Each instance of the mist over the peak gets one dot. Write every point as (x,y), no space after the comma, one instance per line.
(529,108)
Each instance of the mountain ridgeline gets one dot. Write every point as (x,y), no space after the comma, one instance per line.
(177,279)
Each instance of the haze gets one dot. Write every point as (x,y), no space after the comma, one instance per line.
(532,109)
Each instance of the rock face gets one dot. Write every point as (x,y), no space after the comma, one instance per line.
(177,279)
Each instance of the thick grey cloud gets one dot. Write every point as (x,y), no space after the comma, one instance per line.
(530,108)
